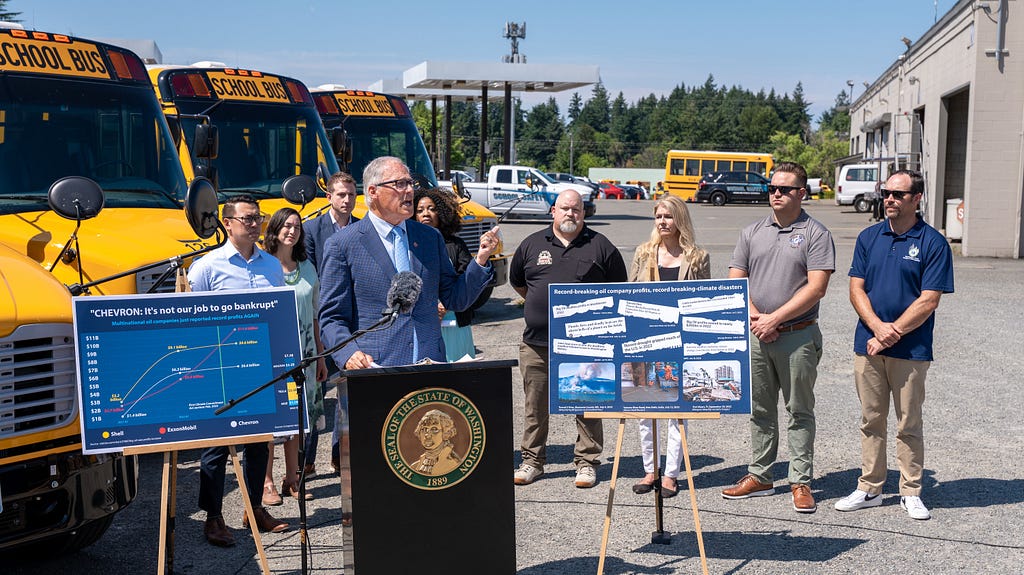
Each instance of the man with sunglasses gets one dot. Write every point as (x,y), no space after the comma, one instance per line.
(788,258)
(361,260)
(901,267)
(238,264)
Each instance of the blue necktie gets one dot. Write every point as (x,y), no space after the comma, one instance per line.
(402,265)
(401,249)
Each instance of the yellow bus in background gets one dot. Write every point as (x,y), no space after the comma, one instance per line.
(253,130)
(91,198)
(365,125)
(684,168)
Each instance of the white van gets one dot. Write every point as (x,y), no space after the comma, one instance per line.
(855,186)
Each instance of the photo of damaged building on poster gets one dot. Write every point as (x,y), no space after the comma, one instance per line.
(711,381)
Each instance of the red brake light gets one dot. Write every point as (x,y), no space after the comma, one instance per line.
(190,85)
(298,92)
(127,66)
(400,107)
(325,105)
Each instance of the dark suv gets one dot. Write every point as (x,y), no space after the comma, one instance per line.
(720,188)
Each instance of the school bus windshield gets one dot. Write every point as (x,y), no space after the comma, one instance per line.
(112,133)
(260,144)
(375,136)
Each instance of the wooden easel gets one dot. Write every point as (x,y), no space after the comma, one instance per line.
(622,417)
(169,484)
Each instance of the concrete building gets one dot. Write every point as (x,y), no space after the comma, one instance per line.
(952,106)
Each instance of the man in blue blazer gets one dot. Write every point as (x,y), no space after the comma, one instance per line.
(341,193)
(361,260)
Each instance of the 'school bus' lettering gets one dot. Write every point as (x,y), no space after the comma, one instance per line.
(79,59)
(248,88)
(366,105)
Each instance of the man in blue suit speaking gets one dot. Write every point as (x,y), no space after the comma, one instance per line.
(361,260)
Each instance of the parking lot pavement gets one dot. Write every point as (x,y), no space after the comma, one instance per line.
(974,480)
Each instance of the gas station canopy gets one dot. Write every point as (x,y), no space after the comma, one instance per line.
(395,87)
(522,77)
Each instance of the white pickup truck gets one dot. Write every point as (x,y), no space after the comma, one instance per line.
(522,191)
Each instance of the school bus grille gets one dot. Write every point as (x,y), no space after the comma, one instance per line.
(145,280)
(37,379)
(471,232)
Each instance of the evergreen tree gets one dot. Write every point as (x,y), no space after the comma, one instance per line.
(575,107)
(538,140)
(596,113)
(6,16)
(837,118)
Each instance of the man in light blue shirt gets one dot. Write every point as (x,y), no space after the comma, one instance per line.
(238,264)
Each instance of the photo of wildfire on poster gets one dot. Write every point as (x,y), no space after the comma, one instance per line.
(666,346)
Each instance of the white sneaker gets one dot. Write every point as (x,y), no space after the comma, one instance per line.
(915,507)
(586,477)
(858,500)
(526,474)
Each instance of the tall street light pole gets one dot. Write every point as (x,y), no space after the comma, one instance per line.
(850,84)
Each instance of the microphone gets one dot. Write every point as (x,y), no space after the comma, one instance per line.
(402,295)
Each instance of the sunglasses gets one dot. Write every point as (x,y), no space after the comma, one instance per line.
(896,194)
(782,189)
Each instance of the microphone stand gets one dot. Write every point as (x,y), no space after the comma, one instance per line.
(298,374)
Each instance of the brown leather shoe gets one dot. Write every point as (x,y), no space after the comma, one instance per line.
(803,499)
(217,533)
(749,486)
(265,522)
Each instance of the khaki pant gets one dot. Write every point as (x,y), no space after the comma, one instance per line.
(533,363)
(878,378)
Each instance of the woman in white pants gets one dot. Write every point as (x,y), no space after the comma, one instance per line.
(671,254)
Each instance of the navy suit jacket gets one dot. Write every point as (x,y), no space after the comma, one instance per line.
(317,231)
(354,281)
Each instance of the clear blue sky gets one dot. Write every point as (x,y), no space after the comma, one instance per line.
(641,46)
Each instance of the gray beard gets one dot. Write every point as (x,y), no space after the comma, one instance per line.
(568,227)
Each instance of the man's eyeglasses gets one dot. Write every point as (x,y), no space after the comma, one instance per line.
(782,189)
(247,220)
(400,185)
(896,194)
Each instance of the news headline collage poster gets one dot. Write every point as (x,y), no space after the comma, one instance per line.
(649,347)
(152,369)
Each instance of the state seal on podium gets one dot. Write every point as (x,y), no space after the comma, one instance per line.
(433,438)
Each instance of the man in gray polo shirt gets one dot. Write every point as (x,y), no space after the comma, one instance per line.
(788,258)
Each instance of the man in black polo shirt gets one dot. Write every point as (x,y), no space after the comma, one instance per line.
(567,252)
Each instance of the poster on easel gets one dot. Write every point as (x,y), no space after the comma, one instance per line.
(152,369)
(676,346)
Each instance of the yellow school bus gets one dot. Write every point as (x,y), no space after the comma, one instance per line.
(74,114)
(72,107)
(367,125)
(684,168)
(266,128)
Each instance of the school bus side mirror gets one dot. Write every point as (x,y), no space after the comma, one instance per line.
(341,145)
(206,142)
(299,189)
(76,198)
(201,208)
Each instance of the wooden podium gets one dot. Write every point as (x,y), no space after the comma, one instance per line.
(424,469)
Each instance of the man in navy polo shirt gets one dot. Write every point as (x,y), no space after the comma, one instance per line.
(901,267)
(567,251)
